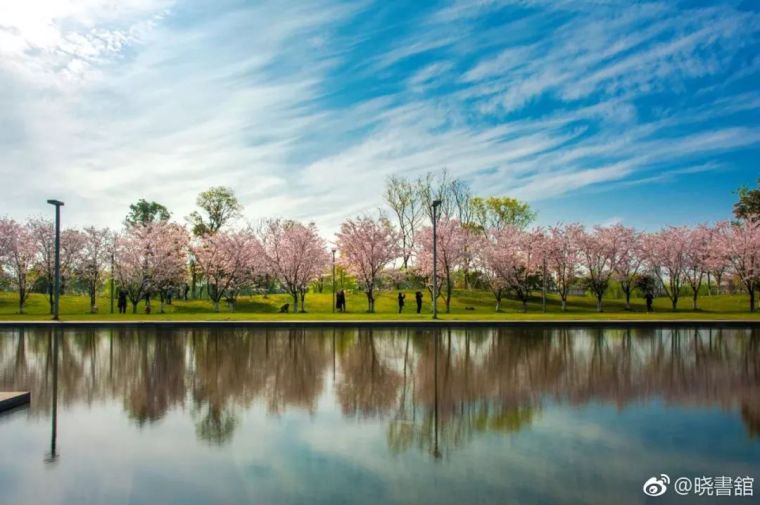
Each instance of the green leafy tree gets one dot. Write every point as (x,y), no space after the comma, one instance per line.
(748,206)
(495,212)
(218,206)
(145,212)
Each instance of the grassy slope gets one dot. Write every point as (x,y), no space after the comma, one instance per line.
(319,308)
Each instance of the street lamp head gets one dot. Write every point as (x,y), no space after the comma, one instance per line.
(334,250)
(436,203)
(57,203)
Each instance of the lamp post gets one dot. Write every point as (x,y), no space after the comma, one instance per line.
(112,283)
(333,279)
(436,204)
(57,283)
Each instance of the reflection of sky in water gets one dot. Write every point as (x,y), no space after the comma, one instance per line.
(568,441)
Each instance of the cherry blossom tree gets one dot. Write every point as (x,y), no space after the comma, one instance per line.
(150,259)
(697,259)
(598,251)
(451,250)
(18,253)
(43,232)
(493,261)
(295,254)
(666,255)
(739,245)
(717,264)
(94,256)
(563,256)
(170,258)
(511,258)
(228,261)
(630,258)
(529,251)
(366,247)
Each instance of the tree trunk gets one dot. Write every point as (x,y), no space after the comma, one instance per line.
(599,302)
(92,300)
(216,305)
(303,301)
(525,304)
(134,307)
(21,295)
(694,300)
(295,302)
(674,300)
(193,281)
(627,292)
(448,294)
(564,303)
(751,298)
(50,294)
(370,301)
(498,302)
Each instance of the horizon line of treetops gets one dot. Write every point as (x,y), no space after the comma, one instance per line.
(485,243)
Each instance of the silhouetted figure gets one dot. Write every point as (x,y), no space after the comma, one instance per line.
(284,308)
(122,301)
(341,300)
(649,297)
(185,291)
(401,298)
(418,298)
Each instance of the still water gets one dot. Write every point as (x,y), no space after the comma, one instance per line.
(391,416)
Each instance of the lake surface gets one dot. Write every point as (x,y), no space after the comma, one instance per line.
(391,416)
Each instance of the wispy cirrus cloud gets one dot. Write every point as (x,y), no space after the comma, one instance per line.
(305,107)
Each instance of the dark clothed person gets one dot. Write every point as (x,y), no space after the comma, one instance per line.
(401,298)
(122,301)
(418,298)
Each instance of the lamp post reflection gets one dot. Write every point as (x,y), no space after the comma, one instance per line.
(436,449)
(52,457)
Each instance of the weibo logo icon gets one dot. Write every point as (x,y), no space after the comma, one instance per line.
(655,486)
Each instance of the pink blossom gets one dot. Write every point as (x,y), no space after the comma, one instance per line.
(150,259)
(229,261)
(451,252)
(666,253)
(95,254)
(18,253)
(739,246)
(629,260)
(366,247)
(510,258)
(43,232)
(295,254)
(563,256)
(599,252)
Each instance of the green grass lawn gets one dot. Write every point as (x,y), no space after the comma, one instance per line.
(318,306)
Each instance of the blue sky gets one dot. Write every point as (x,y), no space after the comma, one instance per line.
(599,111)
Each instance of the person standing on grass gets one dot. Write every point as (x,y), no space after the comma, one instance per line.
(122,301)
(649,298)
(418,298)
(341,301)
(401,298)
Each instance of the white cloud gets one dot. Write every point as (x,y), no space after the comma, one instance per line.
(105,102)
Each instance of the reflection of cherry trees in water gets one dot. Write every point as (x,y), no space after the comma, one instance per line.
(369,384)
(437,391)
